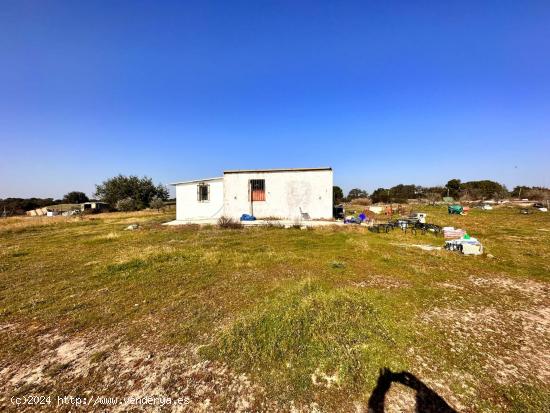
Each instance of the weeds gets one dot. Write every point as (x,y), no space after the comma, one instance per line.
(229,223)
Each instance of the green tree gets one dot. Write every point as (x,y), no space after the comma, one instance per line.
(520,191)
(357,193)
(401,193)
(380,195)
(484,189)
(140,190)
(337,194)
(75,197)
(453,188)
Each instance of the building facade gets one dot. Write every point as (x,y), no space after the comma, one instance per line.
(272,193)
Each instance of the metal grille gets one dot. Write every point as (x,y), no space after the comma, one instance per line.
(203,192)
(257,190)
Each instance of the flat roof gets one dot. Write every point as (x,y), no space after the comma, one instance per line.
(218,178)
(241,171)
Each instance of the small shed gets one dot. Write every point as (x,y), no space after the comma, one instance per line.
(265,193)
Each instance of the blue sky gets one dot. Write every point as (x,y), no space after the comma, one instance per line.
(384,92)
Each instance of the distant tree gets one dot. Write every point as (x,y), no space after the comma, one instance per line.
(401,193)
(157,203)
(484,189)
(18,206)
(520,191)
(380,195)
(337,194)
(75,197)
(357,193)
(140,190)
(433,194)
(453,188)
(536,193)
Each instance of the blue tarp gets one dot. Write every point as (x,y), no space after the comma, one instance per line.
(246,217)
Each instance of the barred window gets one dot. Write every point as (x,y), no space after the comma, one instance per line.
(257,189)
(203,192)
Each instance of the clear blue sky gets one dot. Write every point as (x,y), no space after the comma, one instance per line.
(384,92)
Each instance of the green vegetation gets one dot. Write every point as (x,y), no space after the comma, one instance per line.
(129,193)
(308,316)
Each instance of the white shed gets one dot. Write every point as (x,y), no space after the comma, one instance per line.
(269,193)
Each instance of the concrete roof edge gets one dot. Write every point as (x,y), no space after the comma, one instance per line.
(240,171)
(218,178)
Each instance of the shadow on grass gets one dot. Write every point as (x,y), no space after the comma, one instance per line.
(427,400)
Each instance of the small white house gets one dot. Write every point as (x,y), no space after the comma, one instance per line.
(271,193)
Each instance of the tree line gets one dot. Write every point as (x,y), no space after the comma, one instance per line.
(123,193)
(455,188)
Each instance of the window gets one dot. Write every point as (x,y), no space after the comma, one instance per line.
(257,189)
(203,192)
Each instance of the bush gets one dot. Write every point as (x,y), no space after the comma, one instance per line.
(225,222)
(126,204)
(157,203)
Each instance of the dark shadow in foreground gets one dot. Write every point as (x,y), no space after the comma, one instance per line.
(427,400)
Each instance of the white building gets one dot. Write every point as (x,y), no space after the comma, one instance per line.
(272,193)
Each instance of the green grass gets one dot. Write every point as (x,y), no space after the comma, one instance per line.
(309,316)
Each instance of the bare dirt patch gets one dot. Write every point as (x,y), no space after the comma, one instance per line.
(509,343)
(66,365)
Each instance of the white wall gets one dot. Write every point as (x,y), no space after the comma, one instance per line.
(286,192)
(188,206)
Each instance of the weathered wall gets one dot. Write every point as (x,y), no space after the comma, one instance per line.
(286,193)
(188,207)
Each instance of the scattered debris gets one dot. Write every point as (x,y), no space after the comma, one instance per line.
(418,217)
(381,228)
(466,245)
(376,209)
(352,220)
(455,209)
(131,227)
(453,233)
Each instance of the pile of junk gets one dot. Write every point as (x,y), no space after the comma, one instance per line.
(415,222)
(457,209)
(457,239)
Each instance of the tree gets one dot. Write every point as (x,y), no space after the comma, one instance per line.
(520,191)
(433,194)
(75,197)
(140,190)
(484,189)
(401,193)
(357,193)
(380,195)
(157,203)
(337,195)
(453,188)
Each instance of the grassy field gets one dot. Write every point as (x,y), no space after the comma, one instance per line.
(271,319)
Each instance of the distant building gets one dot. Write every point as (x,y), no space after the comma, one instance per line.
(94,206)
(69,209)
(266,193)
